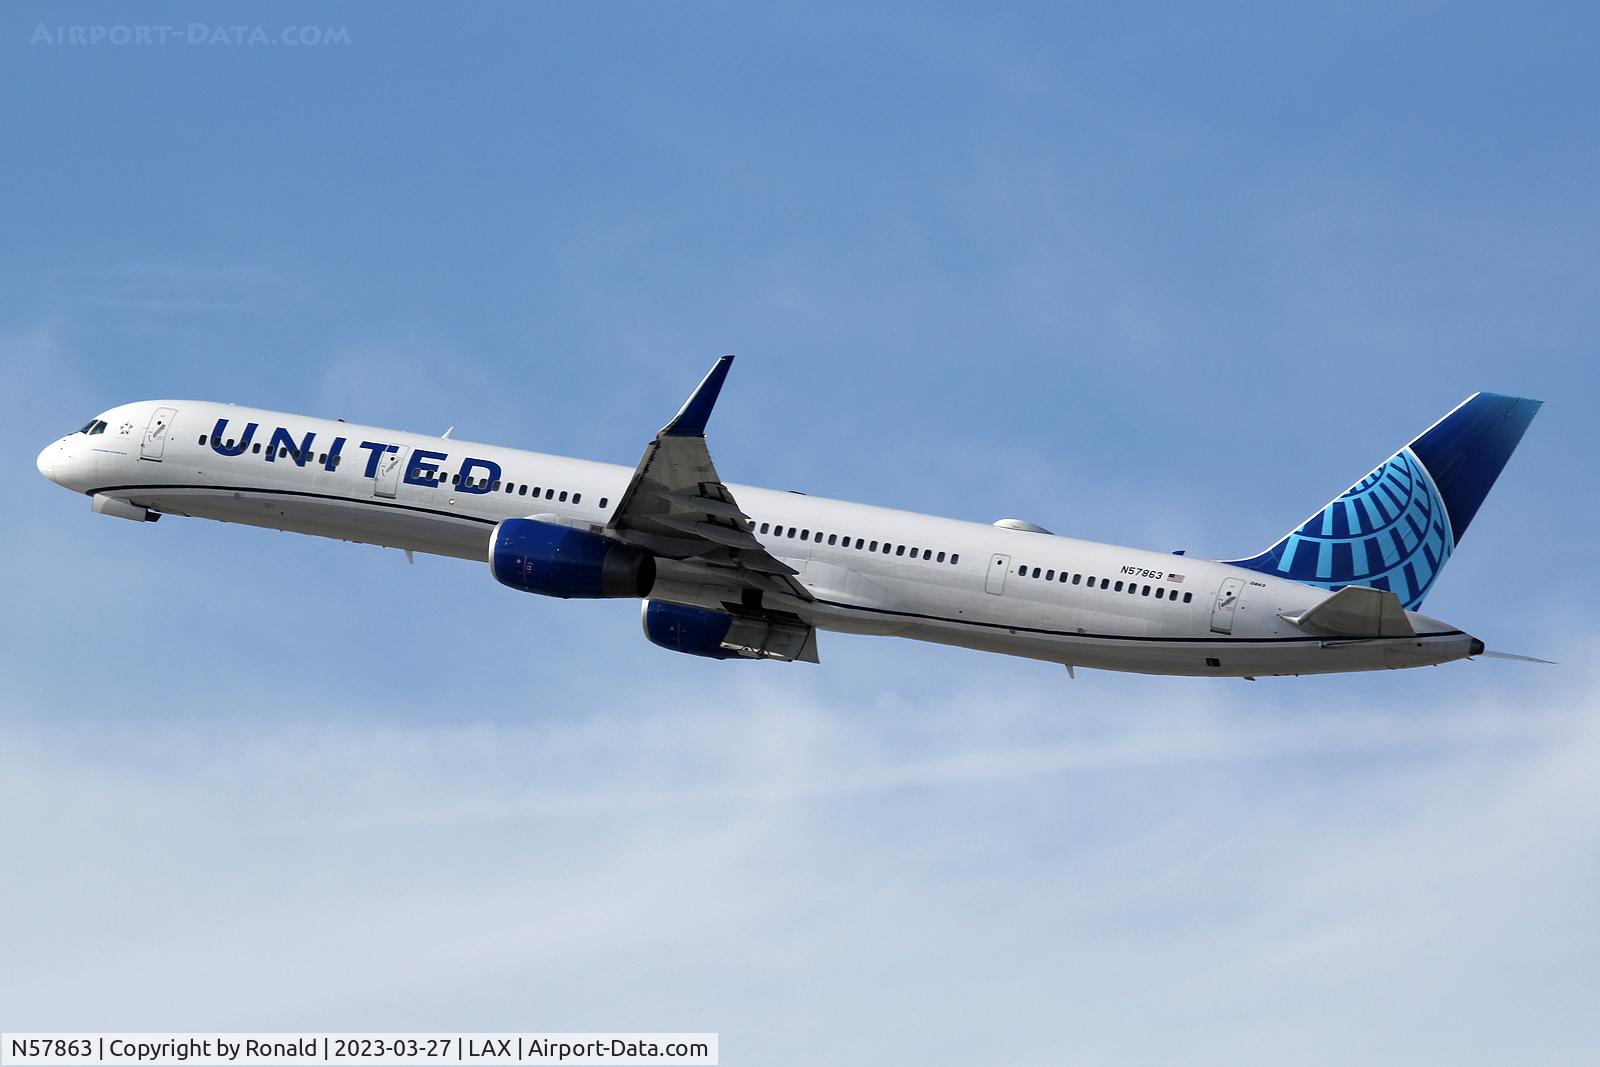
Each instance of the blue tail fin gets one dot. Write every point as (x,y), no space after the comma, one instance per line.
(1395,528)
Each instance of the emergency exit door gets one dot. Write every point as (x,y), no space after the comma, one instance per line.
(1227,602)
(995,581)
(154,443)
(387,479)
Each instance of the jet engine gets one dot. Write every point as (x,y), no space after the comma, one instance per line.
(728,635)
(695,631)
(543,557)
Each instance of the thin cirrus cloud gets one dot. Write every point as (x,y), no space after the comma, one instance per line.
(1040,880)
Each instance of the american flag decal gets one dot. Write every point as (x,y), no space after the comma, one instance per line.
(1174,577)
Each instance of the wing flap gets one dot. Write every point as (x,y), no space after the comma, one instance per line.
(711,531)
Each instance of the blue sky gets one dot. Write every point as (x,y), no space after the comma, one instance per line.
(1142,274)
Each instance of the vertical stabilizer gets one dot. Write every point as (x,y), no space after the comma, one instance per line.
(1396,528)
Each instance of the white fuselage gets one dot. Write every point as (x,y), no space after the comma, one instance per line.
(871,570)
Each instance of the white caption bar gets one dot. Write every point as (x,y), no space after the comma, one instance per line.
(351,1050)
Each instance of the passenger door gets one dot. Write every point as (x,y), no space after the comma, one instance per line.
(1227,601)
(995,581)
(387,479)
(155,434)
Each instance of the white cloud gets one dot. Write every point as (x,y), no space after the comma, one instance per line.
(991,877)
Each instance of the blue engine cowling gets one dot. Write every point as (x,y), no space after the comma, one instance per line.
(695,631)
(541,557)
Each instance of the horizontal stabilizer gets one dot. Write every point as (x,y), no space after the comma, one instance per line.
(1519,659)
(1357,611)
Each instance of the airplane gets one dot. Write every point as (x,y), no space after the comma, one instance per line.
(736,572)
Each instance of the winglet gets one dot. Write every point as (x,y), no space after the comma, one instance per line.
(690,421)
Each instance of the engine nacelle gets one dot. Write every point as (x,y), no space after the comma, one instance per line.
(694,631)
(542,557)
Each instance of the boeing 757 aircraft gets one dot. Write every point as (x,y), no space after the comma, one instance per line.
(735,572)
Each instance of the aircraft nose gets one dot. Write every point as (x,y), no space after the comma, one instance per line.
(47,462)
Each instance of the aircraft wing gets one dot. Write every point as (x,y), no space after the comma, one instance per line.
(677,507)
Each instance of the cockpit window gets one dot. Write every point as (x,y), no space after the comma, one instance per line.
(93,426)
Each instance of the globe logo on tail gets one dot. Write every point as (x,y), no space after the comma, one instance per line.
(1389,531)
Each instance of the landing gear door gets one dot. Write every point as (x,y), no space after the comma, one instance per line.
(1227,602)
(387,480)
(995,581)
(155,434)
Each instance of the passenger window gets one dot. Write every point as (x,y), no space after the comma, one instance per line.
(833,539)
(900,550)
(763,527)
(859,543)
(887,548)
(323,459)
(1075,578)
(455,479)
(256,447)
(603,507)
(791,533)
(1050,575)
(577,498)
(1161,594)
(522,490)
(1105,583)
(874,547)
(202,438)
(563,497)
(1036,572)
(1188,597)
(955,558)
(941,558)
(549,494)
(927,553)
(1145,591)
(805,535)
(1119,587)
